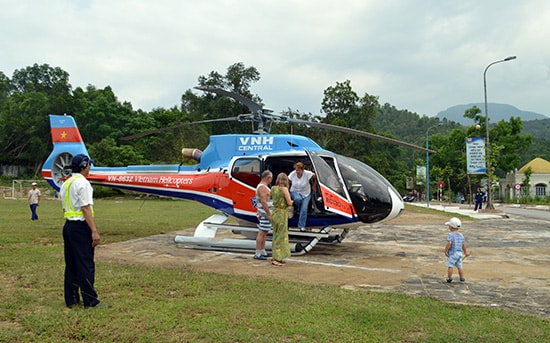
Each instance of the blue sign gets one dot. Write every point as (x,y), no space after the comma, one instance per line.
(475,155)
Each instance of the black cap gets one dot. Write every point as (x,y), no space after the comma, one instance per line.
(80,162)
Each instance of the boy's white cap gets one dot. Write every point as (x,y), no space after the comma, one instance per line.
(454,222)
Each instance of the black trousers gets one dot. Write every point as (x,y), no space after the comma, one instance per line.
(79,264)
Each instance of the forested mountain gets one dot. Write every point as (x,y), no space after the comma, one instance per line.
(409,126)
(539,128)
(497,112)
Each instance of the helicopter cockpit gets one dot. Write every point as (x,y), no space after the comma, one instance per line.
(369,194)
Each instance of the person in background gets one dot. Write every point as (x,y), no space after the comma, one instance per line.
(453,250)
(279,219)
(300,191)
(33,200)
(80,235)
(478,199)
(264,205)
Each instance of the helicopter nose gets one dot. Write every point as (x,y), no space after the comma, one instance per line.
(383,204)
(397,204)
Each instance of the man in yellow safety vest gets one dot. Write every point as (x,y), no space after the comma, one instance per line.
(80,235)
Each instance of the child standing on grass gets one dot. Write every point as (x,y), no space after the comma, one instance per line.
(454,249)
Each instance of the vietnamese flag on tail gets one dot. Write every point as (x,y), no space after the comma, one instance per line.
(64,130)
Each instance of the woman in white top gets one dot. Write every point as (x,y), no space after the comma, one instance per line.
(300,191)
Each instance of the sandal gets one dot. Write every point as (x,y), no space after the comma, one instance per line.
(276,263)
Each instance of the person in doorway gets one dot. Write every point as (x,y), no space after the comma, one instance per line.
(279,219)
(478,199)
(264,206)
(454,249)
(33,200)
(300,191)
(80,235)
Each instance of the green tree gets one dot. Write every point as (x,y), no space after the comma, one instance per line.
(5,90)
(107,153)
(474,113)
(238,79)
(23,127)
(451,152)
(99,114)
(344,107)
(508,134)
(25,102)
(449,161)
(50,81)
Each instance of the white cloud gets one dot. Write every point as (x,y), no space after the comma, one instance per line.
(422,56)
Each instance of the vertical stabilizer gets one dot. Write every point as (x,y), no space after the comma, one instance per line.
(67,142)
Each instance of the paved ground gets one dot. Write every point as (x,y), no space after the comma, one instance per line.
(509,266)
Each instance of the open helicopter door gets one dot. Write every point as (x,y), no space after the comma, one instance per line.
(334,196)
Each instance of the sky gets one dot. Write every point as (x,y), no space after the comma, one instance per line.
(418,55)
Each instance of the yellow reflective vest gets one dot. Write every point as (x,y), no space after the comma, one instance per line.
(67,204)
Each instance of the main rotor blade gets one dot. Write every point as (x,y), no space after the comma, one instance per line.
(252,106)
(152,132)
(358,132)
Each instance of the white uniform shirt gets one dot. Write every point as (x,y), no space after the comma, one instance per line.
(80,194)
(300,185)
(34,194)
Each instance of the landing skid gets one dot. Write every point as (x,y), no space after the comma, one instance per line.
(204,237)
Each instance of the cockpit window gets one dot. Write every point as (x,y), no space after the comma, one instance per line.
(357,174)
(327,175)
(247,170)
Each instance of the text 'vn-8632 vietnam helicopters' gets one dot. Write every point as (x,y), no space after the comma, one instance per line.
(349,193)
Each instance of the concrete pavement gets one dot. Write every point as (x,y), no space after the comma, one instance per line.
(465,210)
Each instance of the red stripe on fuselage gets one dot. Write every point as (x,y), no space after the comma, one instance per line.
(213,183)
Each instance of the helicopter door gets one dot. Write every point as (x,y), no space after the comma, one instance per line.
(245,174)
(332,191)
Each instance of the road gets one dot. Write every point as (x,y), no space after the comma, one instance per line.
(541,213)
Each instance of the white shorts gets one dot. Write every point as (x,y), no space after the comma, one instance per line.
(265,224)
(455,260)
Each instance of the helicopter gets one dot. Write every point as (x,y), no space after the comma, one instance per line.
(349,192)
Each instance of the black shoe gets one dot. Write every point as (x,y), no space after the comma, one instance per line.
(268,254)
(449,280)
(260,257)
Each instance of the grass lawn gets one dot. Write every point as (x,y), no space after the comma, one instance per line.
(153,304)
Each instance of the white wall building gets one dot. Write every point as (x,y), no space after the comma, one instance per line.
(512,186)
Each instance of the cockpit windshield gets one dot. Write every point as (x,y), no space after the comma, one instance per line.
(369,191)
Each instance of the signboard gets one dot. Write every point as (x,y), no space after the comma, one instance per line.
(517,187)
(420,175)
(475,155)
(441,184)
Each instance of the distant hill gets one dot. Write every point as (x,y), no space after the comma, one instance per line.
(539,128)
(497,112)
